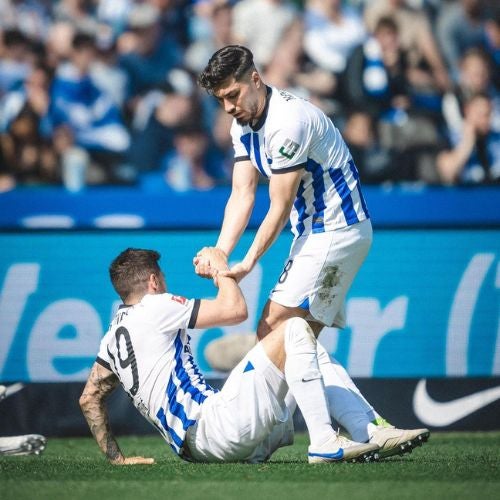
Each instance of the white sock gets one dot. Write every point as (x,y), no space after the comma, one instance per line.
(304,380)
(346,404)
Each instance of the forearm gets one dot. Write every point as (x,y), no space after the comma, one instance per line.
(270,228)
(97,418)
(236,216)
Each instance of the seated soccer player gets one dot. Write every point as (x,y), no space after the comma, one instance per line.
(147,350)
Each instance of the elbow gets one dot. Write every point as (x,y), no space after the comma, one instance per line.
(86,402)
(239,312)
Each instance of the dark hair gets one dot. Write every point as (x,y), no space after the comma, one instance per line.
(230,61)
(130,271)
(83,40)
(387,23)
(14,37)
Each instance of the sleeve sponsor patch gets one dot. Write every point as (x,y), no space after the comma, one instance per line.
(289,148)
(179,298)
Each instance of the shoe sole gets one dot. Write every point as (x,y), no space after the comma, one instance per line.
(367,456)
(407,446)
(32,446)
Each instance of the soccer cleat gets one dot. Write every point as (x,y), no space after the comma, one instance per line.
(341,449)
(393,441)
(29,444)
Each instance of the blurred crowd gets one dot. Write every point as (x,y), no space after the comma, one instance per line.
(96,92)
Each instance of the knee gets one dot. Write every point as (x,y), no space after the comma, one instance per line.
(263,328)
(297,330)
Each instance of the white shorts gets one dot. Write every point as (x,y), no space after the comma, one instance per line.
(236,420)
(320,270)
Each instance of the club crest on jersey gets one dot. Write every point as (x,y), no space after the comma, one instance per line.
(178,298)
(289,149)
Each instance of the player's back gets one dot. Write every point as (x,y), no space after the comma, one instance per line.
(147,347)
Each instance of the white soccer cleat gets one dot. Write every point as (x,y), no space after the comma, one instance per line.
(29,444)
(393,441)
(341,449)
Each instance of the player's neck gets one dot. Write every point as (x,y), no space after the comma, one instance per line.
(261,107)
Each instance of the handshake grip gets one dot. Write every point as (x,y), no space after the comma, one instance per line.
(209,261)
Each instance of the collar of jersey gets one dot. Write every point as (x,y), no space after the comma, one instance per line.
(124,306)
(263,116)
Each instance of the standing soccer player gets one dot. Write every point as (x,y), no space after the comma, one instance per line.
(314,183)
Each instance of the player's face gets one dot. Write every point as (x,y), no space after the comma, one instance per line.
(243,99)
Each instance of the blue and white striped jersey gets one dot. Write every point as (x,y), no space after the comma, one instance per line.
(147,347)
(292,133)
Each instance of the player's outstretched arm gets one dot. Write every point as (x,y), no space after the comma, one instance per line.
(229,306)
(99,386)
(282,191)
(236,214)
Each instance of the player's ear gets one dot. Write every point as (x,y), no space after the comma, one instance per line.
(255,77)
(153,282)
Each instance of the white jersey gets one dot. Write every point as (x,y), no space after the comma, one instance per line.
(294,134)
(147,347)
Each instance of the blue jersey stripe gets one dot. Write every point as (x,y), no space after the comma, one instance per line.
(300,206)
(175,437)
(318,184)
(344,192)
(182,374)
(355,173)
(245,140)
(256,152)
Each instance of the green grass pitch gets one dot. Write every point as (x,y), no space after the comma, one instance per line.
(449,466)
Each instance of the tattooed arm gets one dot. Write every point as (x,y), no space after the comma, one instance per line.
(100,384)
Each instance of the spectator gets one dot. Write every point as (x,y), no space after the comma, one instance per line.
(474,78)
(59,43)
(191,165)
(147,53)
(376,75)
(28,157)
(15,63)
(86,115)
(157,115)
(331,33)
(474,158)
(105,71)
(459,27)
(375,163)
(377,81)
(428,72)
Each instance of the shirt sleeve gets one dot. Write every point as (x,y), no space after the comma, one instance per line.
(241,145)
(103,357)
(289,146)
(173,312)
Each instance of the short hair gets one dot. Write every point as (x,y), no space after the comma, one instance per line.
(388,23)
(230,61)
(130,271)
(82,40)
